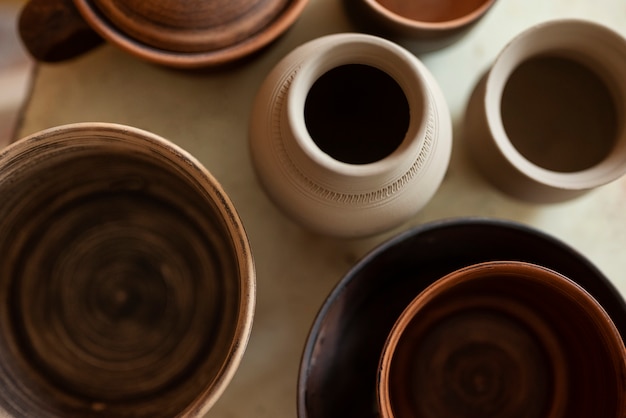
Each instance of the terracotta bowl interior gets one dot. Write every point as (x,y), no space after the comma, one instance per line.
(503,339)
(191,34)
(124,291)
(431,15)
(341,356)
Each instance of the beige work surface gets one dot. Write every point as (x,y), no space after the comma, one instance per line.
(207,114)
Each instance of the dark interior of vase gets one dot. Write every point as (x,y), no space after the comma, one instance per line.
(357,114)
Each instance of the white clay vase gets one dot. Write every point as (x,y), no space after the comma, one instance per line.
(546,123)
(350,135)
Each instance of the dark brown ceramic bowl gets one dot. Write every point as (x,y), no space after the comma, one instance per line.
(126,278)
(189,34)
(340,360)
(503,339)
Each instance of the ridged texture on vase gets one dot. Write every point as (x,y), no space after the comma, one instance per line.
(328,194)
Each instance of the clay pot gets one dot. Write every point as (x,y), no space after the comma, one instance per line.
(350,135)
(338,371)
(188,34)
(545,123)
(503,339)
(127,282)
(428,25)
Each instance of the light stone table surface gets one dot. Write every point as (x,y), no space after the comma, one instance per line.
(15,70)
(207,114)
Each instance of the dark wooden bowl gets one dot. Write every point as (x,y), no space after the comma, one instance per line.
(503,339)
(340,360)
(126,279)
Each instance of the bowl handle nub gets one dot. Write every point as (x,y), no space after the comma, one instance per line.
(54,30)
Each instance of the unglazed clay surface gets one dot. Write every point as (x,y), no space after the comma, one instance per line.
(559,114)
(323,178)
(544,123)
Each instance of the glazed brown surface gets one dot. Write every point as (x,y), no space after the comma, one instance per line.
(340,362)
(497,340)
(121,292)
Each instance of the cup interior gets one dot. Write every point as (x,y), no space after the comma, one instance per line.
(554,100)
(559,113)
(503,339)
(123,290)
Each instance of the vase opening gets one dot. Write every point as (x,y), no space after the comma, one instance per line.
(559,114)
(357,113)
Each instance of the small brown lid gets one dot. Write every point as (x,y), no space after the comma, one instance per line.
(193,25)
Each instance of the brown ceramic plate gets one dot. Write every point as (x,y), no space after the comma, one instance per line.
(224,33)
(338,369)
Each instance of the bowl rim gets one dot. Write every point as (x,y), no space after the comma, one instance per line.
(395,18)
(191,60)
(501,269)
(354,274)
(234,227)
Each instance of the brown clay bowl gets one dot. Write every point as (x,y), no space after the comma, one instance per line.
(126,278)
(340,360)
(189,34)
(503,339)
(427,25)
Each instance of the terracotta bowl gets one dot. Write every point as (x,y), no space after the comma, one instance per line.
(126,280)
(503,339)
(340,360)
(429,25)
(190,34)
